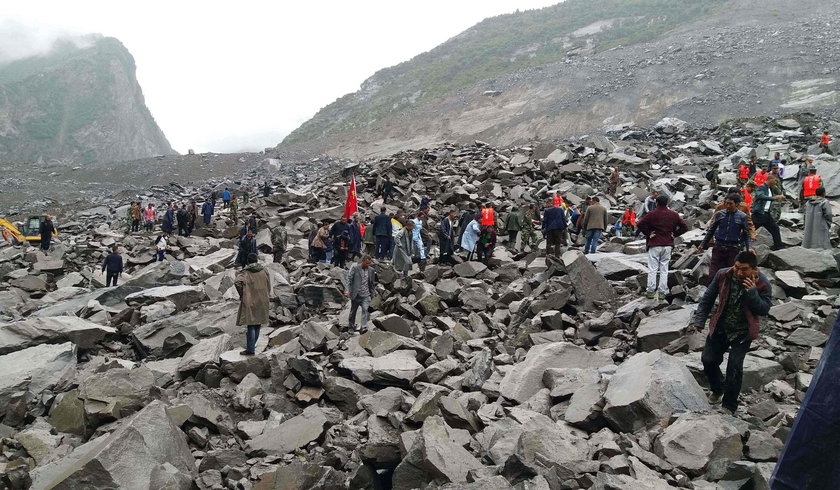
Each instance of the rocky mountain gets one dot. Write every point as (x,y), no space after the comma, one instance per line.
(587,65)
(528,372)
(79,103)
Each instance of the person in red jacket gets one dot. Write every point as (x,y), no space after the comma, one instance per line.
(558,200)
(488,215)
(660,226)
(628,221)
(825,139)
(760,177)
(810,184)
(743,173)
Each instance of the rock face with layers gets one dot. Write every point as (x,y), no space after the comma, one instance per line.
(141,451)
(650,387)
(52,330)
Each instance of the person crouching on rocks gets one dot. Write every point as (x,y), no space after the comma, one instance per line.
(253,283)
(161,244)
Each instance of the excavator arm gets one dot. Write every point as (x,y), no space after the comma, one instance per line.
(10,233)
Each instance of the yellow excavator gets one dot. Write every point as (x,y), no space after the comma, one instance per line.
(29,231)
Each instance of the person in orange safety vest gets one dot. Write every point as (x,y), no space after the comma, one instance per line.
(760,177)
(488,215)
(743,173)
(811,183)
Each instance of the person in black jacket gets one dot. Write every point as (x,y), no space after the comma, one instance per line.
(387,190)
(113,266)
(183,218)
(247,245)
(47,229)
(382,232)
(463,221)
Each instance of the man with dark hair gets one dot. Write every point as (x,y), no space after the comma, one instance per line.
(46,230)
(182,217)
(743,295)
(761,216)
(529,236)
(660,226)
(387,190)
(446,237)
(594,222)
(279,241)
(466,217)
(731,230)
(650,202)
(554,227)
(253,283)
(361,284)
(247,246)
(113,266)
(382,233)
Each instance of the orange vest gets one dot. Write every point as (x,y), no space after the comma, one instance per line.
(747,197)
(487,218)
(629,217)
(557,200)
(809,186)
(744,170)
(760,177)
(150,214)
(825,139)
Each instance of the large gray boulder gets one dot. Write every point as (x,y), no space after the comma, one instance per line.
(398,368)
(117,390)
(701,443)
(207,351)
(544,442)
(434,456)
(659,330)
(279,439)
(52,330)
(141,452)
(181,296)
(806,261)
(648,388)
(590,286)
(176,334)
(34,369)
(526,378)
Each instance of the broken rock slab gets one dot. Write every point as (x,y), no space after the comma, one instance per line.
(181,296)
(590,286)
(526,378)
(294,433)
(139,453)
(51,330)
(398,368)
(34,369)
(207,351)
(808,262)
(660,329)
(702,443)
(648,388)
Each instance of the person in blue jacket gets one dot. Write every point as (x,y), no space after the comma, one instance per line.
(207,212)
(168,224)
(226,198)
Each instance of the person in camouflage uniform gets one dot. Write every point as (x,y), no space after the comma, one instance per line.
(234,209)
(528,233)
(778,189)
(129,217)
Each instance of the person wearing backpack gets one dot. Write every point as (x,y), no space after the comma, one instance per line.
(183,218)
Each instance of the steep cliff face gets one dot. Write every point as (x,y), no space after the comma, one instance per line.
(76,105)
(589,65)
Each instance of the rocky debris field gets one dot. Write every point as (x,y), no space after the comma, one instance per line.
(533,373)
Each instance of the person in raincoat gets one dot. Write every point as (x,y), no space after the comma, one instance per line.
(470,237)
(818,218)
(404,250)
(253,283)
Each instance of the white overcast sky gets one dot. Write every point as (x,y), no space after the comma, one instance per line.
(227,76)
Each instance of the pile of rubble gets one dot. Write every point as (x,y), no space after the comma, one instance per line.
(531,373)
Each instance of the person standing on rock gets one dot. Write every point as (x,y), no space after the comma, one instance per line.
(161,244)
(338,229)
(760,177)
(226,198)
(341,249)
(247,246)
(253,283)
(404,249)
(253,221)
(650,202)
(660,227)
(743,173)
(234,209)
(416,236)
(382,233)
(762,201)
(743,295)
(742,206)
(778,189)
(446,237)
(594,222)
(168,224)
(266,190)
(279,241)
(46,231)
(246,196)
(319,242)
(529,235)
(149,216)
(361,286)
(810,184)
(488,215)
(467,216)
(615,178)
(369,238)
(731,229)
(825,141)
(129,216)
(112,267)
(554,229)
(818,216)
(355,230)
(469,239)
(387,191)
(192,211)
(748,192)
(136,216)
(183,218)
(513,225)
(207,212)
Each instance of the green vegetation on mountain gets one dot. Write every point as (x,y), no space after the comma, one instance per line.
(498,46)
(77,105)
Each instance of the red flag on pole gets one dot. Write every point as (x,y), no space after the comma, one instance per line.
(352,205)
